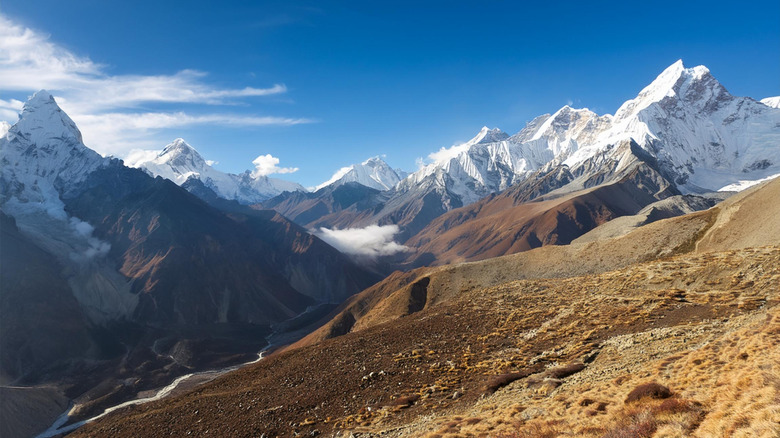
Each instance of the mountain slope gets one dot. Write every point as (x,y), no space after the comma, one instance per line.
(519,219)
(179,162)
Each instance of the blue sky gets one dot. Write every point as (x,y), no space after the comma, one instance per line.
(320,85)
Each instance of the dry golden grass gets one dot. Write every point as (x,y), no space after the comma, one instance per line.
(723,372)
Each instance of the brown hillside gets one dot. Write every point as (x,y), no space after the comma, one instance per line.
(506,223)
(529,354)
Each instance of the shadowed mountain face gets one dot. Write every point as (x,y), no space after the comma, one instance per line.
(40,320)
(189,263)
(332,206)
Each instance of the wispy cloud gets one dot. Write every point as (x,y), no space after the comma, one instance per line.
(108,108)
(129,131)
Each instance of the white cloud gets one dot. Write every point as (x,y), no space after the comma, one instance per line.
(372,241)
(136,157)
(446,154)
(107,108)
(268,164)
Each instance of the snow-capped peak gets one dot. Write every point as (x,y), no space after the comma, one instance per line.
(676,81)
(43,157)
(178,162)
(178,146)
(373,172)
(702,137)
(182,158)
(773,102)
(44,121)
(444,155)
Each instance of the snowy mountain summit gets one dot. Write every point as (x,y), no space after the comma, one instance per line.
(374,173)
(702,138)
(42,157)
(179,162)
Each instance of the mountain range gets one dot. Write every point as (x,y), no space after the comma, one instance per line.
(685,134)
(699,137)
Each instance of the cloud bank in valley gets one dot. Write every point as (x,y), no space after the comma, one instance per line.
(372,241)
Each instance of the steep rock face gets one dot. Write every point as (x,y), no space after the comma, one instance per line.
(180,162)
(373,173)
(703,137)
(485,164)
(44,159)
(42,155)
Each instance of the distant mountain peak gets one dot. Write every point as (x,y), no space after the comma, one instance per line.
(178,146)
(373,172)
(182,157)
(487,135)
(676,81)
